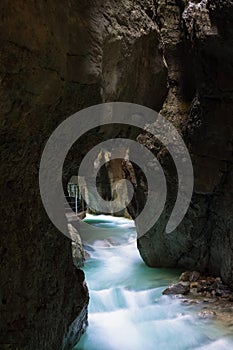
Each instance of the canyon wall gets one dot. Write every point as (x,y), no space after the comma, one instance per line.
(197,41)
(58,58)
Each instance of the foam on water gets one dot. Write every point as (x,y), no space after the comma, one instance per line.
(127,310)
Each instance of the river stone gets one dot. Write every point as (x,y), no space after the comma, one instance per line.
(207,314)
(179,288)
(191,276)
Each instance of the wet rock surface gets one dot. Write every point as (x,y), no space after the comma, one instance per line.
(207,297)
(192,283)
(179,288)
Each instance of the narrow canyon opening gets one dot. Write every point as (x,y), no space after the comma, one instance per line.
(59,58)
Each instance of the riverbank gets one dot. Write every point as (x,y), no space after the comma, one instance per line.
(211,297)
(192,283)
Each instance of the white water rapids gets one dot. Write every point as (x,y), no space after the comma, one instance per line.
(127,310)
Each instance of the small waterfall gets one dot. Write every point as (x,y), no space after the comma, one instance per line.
(127,310)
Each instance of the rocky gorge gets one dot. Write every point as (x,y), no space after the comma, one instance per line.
(174,56)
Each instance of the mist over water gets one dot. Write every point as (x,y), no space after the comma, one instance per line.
(127,310)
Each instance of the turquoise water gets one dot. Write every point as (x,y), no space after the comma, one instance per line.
(127,310)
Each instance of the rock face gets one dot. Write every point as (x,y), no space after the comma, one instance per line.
(196,37)
(58,58)
(41,291)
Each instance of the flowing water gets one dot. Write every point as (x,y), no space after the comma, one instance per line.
(127,310)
